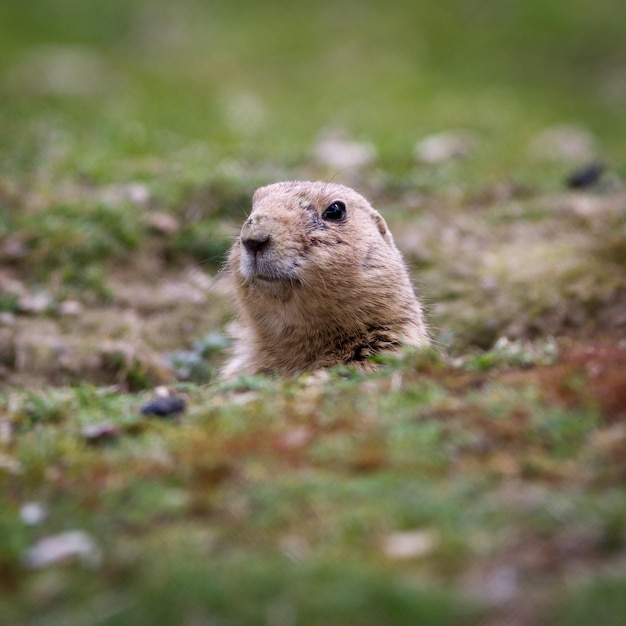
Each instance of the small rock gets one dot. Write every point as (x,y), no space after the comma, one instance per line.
(6,428)
(410,544)
(100,433)
(294,547)
(564,142)
(10,286)
(338,152)
(33,513)
(443,147)
(135,193)
(73,545)
(162,392)
(585,176)
(7,319)
(10,464)
(295,438)
(13,248)
(162,223)
(163,407)
(34,303)
(70,308)
(138,193)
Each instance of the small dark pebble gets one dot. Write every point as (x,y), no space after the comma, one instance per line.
(100,433)
(585,176)
(163,407)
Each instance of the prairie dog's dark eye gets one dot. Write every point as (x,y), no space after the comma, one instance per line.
(336,212)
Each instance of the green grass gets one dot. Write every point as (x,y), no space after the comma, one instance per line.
(496,464)
(288,490)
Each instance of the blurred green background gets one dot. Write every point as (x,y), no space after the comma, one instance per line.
(116,89)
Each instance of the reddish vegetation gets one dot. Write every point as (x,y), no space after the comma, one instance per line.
(603,364)
(589,372)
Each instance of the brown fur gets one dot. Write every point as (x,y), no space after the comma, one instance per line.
(319,292)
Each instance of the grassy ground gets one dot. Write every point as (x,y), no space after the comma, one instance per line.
(480,484)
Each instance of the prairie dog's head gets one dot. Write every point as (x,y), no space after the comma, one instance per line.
(308,233)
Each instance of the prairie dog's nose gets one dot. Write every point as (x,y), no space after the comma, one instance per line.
(256,244)
(254,239)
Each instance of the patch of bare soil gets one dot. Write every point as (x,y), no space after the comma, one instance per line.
(123,342)
(519,265)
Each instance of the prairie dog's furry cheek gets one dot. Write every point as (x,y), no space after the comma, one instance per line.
(318,282)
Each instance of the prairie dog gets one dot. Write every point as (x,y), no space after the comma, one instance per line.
(318,281)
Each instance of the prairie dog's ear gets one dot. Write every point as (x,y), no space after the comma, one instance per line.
(382,227)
